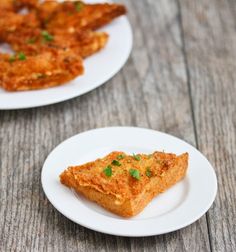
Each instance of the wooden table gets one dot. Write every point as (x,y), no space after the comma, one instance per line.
(180,79)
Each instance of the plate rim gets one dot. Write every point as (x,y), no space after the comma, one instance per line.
(118,233)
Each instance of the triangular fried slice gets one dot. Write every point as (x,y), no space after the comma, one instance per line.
(79,15)
(125,184)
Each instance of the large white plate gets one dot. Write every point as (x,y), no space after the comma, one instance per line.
(99,68)
(180,206)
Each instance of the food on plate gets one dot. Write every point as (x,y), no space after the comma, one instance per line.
(77,14)
(125,184)
(53,37)
(44,70)
(83,43)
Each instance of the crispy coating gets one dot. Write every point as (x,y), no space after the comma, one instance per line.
(6,5)
(32,42)
(13,23)
(41,71)
(18,4)
(84,43)
(52,37)
(3,66)
(121,193)
(14,5)
(78,15)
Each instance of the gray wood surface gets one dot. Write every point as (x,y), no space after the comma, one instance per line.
(180,79)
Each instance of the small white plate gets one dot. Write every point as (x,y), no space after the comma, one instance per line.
(176,208)
(99,68)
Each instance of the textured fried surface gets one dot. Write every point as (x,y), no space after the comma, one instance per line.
(6,5)
(13,24)
(3,66)
(14,5)
(53,37)
(45,70)
(83,43)
(78,15)
(121,193)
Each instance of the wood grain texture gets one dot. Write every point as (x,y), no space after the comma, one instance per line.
(179,79)
(210,46)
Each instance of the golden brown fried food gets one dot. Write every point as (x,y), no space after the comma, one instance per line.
(52,38)
(45,70)
(35,41)
(85,43)
(6,5)
(125,184)
(68,15)
(18,4)
(14,5)
(3,65)
(11,23)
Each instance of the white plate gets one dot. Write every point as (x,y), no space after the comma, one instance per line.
(178,207)
(99,68)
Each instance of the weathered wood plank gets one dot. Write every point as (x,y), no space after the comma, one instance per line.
(210,44)
(151,91)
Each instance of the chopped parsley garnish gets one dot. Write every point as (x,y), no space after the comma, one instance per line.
(134,173)
(78,6)
(116,163)
(148,172)
(31,41)
(136,157)
(121,156)
(21,56)
(47,36)
(108,171)
(12,58)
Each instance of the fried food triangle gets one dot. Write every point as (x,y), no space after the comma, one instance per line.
(125,184)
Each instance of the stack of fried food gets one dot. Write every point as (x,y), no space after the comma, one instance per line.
(50,40)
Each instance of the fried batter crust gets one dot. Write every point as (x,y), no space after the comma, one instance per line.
(67,15)
(63,45)
(83,43)
(121,193)
(15,5)
(41,71)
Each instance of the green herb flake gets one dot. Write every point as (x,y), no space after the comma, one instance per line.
(148,172)
(108,171)
(134,173)
(137,157)
(21,56)
(31,41)
(121,156)
(12,58)
(116,163)
(47,36)
(78,6)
